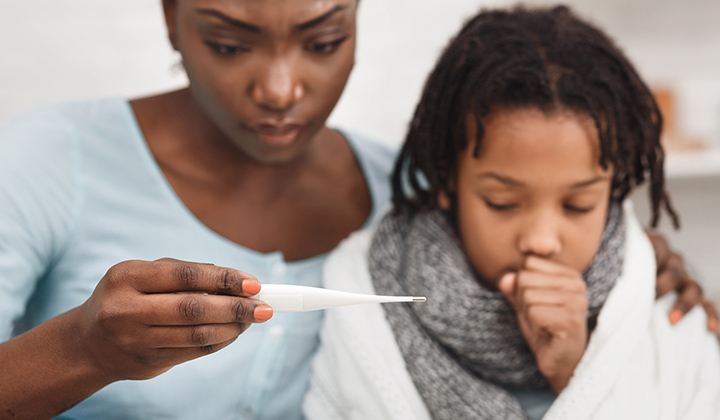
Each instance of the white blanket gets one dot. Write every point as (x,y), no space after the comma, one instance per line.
(636,366)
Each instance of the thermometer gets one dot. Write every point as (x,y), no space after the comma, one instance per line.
(292,298)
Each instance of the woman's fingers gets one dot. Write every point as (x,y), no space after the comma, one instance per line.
(161,359)
(666,282)
(184,354)
(146,316)
(671,276)
(169,276)
(689,295)
(662,250)
(192,336)
(197,308)
(713,323)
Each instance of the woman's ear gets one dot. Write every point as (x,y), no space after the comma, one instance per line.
(169,9)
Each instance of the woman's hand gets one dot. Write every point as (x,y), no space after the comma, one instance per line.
(142,319)
(145,317)
(671,275)
(551,305)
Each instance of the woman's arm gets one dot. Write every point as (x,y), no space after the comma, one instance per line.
(142,319)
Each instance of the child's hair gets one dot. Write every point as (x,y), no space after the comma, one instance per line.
(547,59)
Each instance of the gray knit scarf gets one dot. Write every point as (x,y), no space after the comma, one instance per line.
(463,346)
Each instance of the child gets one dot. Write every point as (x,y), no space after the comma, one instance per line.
(510,216)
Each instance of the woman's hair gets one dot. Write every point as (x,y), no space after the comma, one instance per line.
(547,59)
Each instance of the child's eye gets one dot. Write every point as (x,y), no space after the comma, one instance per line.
(225,49)
(577,209)
(500,206)
(326,47)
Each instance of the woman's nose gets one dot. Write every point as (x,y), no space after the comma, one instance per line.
(541,237)
(277,86)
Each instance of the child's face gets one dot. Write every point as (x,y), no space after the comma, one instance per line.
(536,188)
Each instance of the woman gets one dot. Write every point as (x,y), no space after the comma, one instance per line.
(238,169)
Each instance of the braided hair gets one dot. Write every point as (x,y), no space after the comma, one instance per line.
(547,59)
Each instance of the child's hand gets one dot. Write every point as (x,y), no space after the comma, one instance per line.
(551,305)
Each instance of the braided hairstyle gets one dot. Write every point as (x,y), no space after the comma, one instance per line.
(547,59)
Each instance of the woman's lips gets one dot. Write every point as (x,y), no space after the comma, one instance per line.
(277,134)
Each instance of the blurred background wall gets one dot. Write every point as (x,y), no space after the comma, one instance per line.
(56,50)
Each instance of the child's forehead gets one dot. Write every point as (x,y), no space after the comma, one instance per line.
(521,114)
(526,140)
(530,122)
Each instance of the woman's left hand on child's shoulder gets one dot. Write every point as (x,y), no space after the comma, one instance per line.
(672,276)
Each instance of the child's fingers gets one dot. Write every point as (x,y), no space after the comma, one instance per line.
(530,279)
(547,297)
(548,266)
(507,286)
(561,321)
(529,288)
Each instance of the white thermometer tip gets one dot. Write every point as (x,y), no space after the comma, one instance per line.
(419,299)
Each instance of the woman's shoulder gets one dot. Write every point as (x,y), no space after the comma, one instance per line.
(53,122)
(49,135)
(75,110)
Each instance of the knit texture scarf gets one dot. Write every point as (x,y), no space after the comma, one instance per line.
(463,346)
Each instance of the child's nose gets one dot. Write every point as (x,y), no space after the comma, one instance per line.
(540,237)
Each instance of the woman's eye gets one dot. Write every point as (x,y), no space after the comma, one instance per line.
(326,47)
(225,49)
(578,209)
(500,206)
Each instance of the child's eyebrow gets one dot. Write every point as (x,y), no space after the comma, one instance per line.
(502,179)
(583,184)
(515,183)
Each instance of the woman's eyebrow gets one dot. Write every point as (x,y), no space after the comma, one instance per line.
(232,21)
(256,29)
(320,19)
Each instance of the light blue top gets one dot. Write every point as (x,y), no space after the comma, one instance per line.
(79,192)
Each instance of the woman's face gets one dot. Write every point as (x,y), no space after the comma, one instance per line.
(536,188)
(267,73)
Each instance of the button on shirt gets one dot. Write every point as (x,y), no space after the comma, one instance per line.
(79,192)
